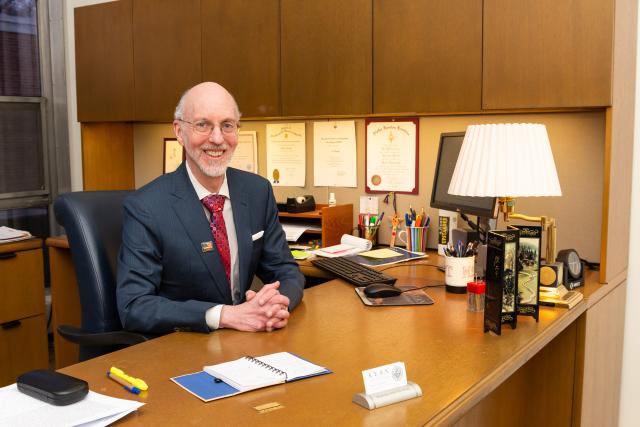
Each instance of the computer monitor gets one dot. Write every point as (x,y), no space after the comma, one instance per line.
(485,207)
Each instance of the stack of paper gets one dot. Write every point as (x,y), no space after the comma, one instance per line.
(12,235)
(349,245)
(18,409)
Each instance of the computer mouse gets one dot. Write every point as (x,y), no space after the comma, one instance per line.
(381,290)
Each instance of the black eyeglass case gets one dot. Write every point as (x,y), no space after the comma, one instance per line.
(52,387)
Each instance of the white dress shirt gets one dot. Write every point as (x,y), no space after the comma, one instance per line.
(212,316)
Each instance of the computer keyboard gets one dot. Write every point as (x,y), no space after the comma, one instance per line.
(351,271)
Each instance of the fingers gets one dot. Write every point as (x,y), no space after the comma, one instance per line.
(249,295)
(267,292)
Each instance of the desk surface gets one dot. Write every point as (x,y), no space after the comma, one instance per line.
(443,347)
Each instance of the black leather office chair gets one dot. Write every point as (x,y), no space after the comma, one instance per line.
(93,223)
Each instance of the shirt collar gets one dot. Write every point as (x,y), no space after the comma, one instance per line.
(201,191)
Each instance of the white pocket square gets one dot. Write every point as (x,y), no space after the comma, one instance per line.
(257,235)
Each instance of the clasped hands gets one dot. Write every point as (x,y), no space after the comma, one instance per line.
(264,310)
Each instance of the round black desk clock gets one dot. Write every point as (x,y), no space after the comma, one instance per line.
(573,268)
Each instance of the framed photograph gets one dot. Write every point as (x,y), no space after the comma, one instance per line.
(173,155)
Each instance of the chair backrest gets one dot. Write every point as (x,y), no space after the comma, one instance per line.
(93,223)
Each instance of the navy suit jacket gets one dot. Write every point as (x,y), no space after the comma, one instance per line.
(166,281)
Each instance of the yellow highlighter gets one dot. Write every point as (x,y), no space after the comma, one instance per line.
(137,382)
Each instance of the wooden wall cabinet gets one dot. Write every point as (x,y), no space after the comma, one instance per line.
(104,62)
(23,330)
(241,51)
(167,51)
(427,55)
(326,57)
(547,53)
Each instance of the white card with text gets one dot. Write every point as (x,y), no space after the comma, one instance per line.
(384,377)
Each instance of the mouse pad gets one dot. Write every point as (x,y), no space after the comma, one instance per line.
(415,297)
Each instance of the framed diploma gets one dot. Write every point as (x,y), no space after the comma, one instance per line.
(173,155)
(246,155)
(391,155)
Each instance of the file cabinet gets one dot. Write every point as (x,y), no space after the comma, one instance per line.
(23,333)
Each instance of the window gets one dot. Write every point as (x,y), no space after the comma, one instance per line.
(24,184)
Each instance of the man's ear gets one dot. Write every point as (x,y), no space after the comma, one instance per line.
(177,129)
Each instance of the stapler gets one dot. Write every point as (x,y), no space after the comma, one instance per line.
(300,204)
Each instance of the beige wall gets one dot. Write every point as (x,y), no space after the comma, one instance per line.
(577,141)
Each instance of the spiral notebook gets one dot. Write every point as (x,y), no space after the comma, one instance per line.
(247,373)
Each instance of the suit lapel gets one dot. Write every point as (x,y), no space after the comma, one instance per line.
(191,214)
(240,206)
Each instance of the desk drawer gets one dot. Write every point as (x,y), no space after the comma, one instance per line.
(23,347)
(21,284)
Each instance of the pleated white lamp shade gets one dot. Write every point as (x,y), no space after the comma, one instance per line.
(505,160)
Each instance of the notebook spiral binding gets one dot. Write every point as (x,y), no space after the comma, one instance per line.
(266,366)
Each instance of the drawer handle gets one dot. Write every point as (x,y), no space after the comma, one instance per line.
(8,255)
(11,324)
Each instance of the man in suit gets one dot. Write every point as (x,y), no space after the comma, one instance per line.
(193,239)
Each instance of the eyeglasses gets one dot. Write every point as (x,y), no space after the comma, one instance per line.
(205,127)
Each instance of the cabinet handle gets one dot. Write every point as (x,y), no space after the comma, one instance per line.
(8,255)
(11,324)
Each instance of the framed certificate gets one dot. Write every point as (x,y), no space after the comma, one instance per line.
(246,155)
(391,155)
(173,155)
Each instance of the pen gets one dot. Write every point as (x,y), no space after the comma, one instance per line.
(137,382)
(380,218)
(123,383)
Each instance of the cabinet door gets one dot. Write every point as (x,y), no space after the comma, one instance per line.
(22,284)
(104,62)
(326,57)
(547,53)
(167,55)
(427,55)
(241,51)
(23,347)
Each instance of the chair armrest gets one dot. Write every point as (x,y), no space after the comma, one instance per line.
(91,339)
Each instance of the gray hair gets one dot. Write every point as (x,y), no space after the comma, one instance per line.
(179,111)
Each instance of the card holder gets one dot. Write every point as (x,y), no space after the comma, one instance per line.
(52,387)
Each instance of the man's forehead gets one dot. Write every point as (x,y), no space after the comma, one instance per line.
(210,101)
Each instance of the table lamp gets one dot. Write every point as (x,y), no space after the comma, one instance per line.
(508,161)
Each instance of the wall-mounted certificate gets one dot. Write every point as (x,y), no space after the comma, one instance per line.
(286,154)
(246,155)
(391,155)
(172,156)
(334,154)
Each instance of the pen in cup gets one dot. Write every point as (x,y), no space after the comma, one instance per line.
(130,388)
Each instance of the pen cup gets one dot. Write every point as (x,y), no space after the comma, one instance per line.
(415,238)
(458,271)
(369,232)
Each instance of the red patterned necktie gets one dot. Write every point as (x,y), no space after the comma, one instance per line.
(214,203)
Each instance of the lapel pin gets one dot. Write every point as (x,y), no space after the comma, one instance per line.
(206,246)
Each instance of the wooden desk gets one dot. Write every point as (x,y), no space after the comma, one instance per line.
(23,323)
(466,376)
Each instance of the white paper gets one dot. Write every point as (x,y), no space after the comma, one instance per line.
(334,154)
(246,155)
(349,245)
(383,378)
(368,205)
(286,154)
(8,234)
(18,409)
(294,231)
(391,156)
